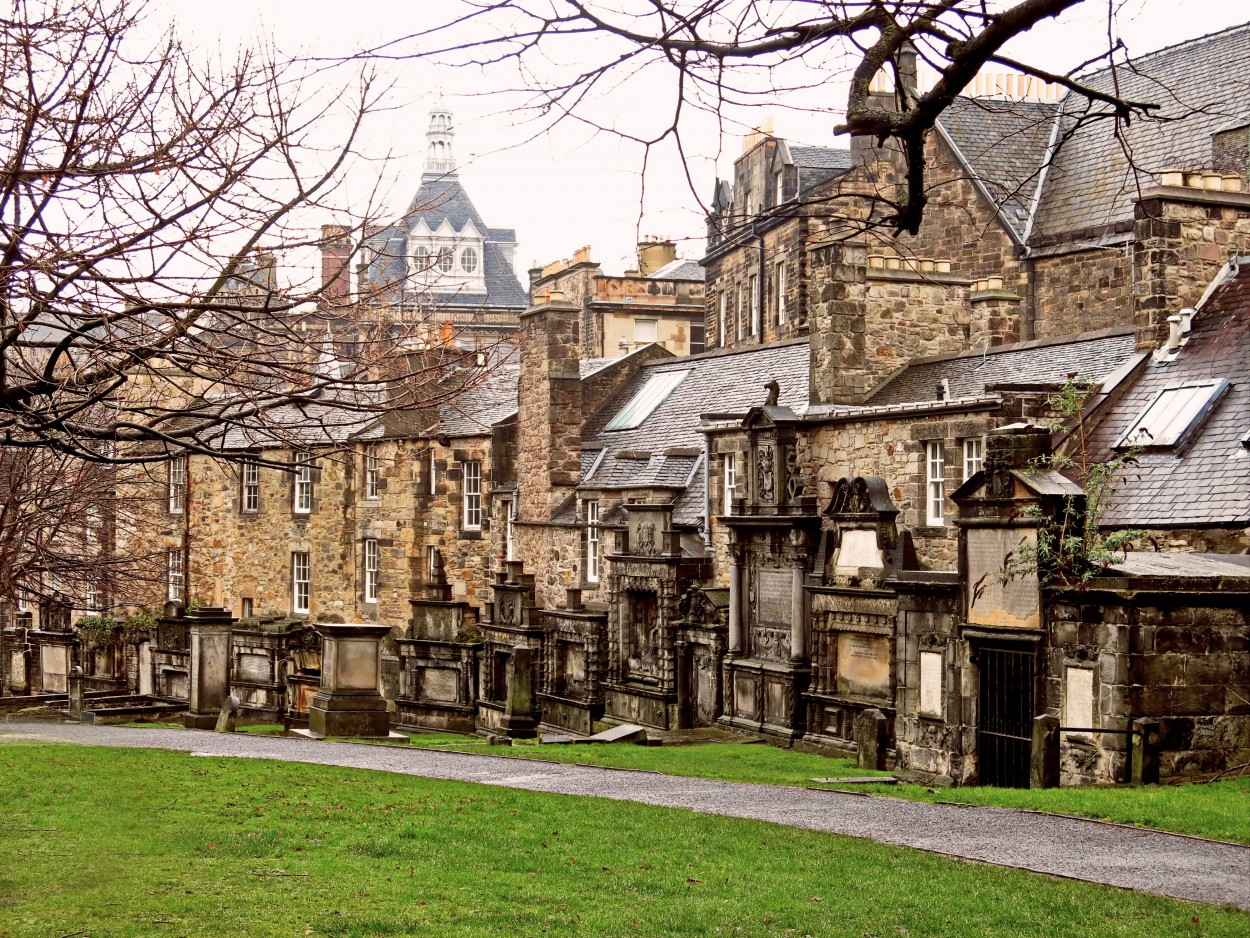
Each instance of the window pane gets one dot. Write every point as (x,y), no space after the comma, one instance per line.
(646,331)
(473,495)
(936,482)
(1173,413)
(468,260)
(651,395)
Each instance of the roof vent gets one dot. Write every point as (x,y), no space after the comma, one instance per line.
(1187,320)
(1174,333)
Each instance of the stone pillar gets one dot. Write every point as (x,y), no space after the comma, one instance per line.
(1145,767)
(75,692)
(349,702)
(735,600)
(798,612)
(518,718)
(209,638)
(872,738)
(1044,759)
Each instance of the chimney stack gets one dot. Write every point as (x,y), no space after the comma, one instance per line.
(336,254)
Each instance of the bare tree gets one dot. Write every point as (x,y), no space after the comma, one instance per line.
(728,53)
(146,195)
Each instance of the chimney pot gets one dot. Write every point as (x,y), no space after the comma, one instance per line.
(1187,320)
(1174,333)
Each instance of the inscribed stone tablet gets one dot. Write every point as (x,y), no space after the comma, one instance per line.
(774,593)
(1014,603)
(357,665)
(254,667)
(440,684)
(863,664)
(1078,698)
(858,549)
(54,664)
(930,684)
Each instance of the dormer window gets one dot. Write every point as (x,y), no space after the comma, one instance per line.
(469,260)
(421,259)
(444,261)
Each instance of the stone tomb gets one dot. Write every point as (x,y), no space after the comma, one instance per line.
(570,692)
(209,637)
(349,702)
(853,614)
(647,575)
(438,661)
(511,620)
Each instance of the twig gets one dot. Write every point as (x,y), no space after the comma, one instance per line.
(264,873)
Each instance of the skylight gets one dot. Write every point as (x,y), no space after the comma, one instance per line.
(649,397)
(1173,413)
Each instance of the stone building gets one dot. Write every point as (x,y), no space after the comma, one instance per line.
(436,275)
(660,302)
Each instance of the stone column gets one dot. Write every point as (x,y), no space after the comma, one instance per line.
(349,703)
(75,692)
(735,600)
(1044,755)
(209,638)
(798,610)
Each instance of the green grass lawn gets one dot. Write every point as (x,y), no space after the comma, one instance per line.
(101,843)
(1220,809)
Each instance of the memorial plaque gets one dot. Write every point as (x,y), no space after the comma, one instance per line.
(1014,603)
(440,684)
(774,594)
(255,667)
(930,684)
(54,662)
(863,664)
(858,549)
(1078,698)
(17,669)
(357,665)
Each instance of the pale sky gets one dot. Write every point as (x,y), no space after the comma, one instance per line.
(577,186)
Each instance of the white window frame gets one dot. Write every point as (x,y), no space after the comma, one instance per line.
(249,488)
(373,471)
(724,310)
(477,260)
(433,476)
(176,575)
(757,321)
(781,292)
(779,184)
(471,494)
(247,607)
(592,541)
(738,317)
(653,331)
(177,485)
(92,600)
(935,482)
(301,582)
(731,481)
(431,552)
(974,456)
(302,490)
(510,531)
(371,569)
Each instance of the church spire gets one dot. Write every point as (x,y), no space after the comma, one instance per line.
(438,158)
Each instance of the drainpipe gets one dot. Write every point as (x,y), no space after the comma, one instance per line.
(707,491)
(760,290)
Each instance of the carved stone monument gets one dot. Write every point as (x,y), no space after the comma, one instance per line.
(209,638)
(518,718)
(349,702)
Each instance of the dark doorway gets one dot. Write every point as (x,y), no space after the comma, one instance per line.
(1005,726)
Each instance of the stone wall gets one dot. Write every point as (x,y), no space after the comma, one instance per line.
(1080,291)
(1183,237)
(1154,649)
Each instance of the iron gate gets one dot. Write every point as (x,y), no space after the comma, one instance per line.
(1005,726)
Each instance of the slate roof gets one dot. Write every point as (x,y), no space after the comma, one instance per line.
(1201,86)
(976,373)
(1205,480)
(817,164)
(666,447)
(1004,144)
(442,198)
(680,269)
(488,401)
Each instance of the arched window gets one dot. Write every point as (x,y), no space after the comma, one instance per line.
(445,260)
(421,259)
(468,260)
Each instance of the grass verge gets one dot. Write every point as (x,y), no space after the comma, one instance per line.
(115,843)
(1219,809)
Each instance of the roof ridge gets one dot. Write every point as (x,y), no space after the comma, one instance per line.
(1136,59)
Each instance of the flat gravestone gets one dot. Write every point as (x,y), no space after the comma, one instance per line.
(626,733)
(550,740)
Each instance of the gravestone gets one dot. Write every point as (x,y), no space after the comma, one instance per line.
(349,703)
(518,718)
(1044,756)
(75,692)
(209,639)
(872,738)
(229,715)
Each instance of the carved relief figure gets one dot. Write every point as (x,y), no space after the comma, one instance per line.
(646,539)
(765,489)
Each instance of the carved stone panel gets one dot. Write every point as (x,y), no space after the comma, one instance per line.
(441,685)
(1014,603)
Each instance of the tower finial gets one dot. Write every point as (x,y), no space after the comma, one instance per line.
(438,155)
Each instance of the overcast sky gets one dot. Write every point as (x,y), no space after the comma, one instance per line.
(577,185)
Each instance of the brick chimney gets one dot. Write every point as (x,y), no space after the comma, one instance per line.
(336,254)
(549,399)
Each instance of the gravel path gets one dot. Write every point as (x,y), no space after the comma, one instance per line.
(1148,861)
